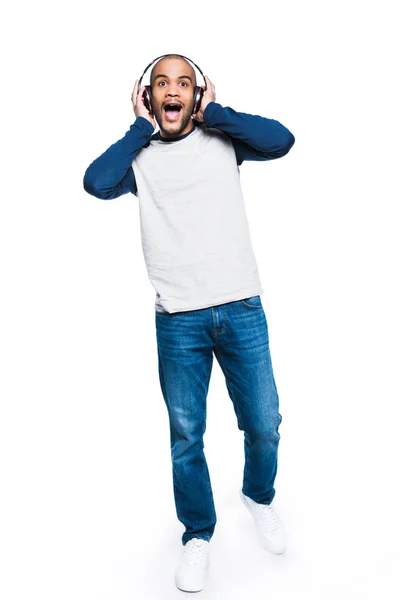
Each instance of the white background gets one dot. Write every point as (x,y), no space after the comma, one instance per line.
(86,506)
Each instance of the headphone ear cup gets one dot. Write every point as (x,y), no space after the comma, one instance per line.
(198,95)
(147,97)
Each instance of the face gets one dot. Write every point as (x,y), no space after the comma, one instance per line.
(173,82)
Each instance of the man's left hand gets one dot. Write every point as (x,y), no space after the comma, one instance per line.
(208,96)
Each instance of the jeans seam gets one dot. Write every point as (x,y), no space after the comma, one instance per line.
(251,305)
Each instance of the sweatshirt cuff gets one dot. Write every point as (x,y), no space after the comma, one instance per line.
(210,112)
(144,125)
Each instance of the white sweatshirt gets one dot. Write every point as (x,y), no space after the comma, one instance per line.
(194,229)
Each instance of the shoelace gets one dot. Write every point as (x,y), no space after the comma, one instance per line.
(268,514)
(195,551)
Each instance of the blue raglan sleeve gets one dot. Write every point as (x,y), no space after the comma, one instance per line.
(111,174)
(253,137)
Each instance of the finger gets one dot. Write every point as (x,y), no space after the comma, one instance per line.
(139,96)
(134,92)
(210,84)
(140,90)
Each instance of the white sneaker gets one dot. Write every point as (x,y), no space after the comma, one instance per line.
(191,575)
(269,526)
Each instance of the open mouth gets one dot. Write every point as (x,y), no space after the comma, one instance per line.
(172,111)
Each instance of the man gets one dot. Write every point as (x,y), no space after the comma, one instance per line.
(199,258)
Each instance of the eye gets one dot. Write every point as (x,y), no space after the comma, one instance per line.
(182,82)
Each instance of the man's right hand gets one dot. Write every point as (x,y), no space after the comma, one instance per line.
(138,104)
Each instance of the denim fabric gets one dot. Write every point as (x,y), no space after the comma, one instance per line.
(237,334)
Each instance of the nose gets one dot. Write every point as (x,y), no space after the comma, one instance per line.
(173,90)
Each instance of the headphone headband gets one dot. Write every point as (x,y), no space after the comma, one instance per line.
(163,56)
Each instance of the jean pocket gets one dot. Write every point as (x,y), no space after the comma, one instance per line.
(252,302)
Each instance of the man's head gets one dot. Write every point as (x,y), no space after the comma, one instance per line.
(173,81)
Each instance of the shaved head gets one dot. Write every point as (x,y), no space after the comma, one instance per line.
(158,67)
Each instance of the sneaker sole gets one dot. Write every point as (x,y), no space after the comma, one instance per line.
(182,588)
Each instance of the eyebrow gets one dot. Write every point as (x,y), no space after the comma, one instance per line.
(180,77)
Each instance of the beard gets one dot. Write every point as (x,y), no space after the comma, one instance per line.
(175,128)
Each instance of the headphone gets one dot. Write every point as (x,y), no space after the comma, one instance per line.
(198,90)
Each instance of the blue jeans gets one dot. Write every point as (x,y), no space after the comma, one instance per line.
(237,333)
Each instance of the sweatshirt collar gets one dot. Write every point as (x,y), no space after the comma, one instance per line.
(179,137)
